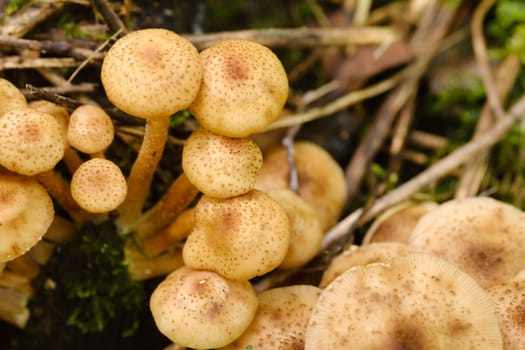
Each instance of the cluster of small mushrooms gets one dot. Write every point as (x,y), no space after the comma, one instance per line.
(427,276)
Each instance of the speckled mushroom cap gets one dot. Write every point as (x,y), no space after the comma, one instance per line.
(221,166)
(509,298)
(10,97)
(363,255)
(281,319)
(98,186)
(240,237)
(244,88)
(26,212)
(60,114)
(415,301)
(90,129)
(483,236)
(151,73)
(321,180)
(202,309)
(31,142)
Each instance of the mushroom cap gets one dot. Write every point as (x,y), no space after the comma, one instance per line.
(396,224)
(483,236)
(202,309)
(151,73)
(240,237)
(10,97)
(98,186)
(244,88)
(281,319)
(363,255)
(509,298)
(221,166)
(322,182)
(60,114)
(416,301)
(26,212)
(90,129)
(306,234)
(31,142)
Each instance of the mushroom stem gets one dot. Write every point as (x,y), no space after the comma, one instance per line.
(139,180)
(13,307)
(179,195)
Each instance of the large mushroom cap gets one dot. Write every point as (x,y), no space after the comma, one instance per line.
(483,236)
(281,319)
(31,142)
(151,73)
(244,88)
(26,213)
(201,309)
(221,166)
(415,301)
(240,237)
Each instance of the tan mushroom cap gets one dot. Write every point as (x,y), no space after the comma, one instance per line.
(281,319)
(60,114)
(509,298)
(306,234)
(221,166)
(483,236)
(151,73)
(98,186)
(416,301)
(240,237)
(31,142)
(363,255)
(244,88)
(321,180)
(26,212)
(90,129)
(397,223)
(202,309)
(10,97)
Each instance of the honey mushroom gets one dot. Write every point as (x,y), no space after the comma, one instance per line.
(415,301)
(202,309)
(10,97)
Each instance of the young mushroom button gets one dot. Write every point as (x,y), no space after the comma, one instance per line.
(90,130)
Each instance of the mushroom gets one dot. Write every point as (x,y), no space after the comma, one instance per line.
(363,255)
(31,142)
(483,236)
(90,130)
(10,97)
(306,234)
(244,88)
(321,180)
(13,307)
(98,186)
(150,73)
(281,319)
(202,309)
(221,166)
(416,301)
(240,237)
(396,224)
(26,212)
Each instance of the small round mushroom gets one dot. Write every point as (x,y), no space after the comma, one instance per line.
(98,186)
(281,319)
(26,212)
(10,97)
(363,255)
(483,236)
(221,166)
(240,237)
(202,309)
(416,301)
(90,130)
(31,142)
(244,88)
(509,298)
(306,234)
(321,180)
